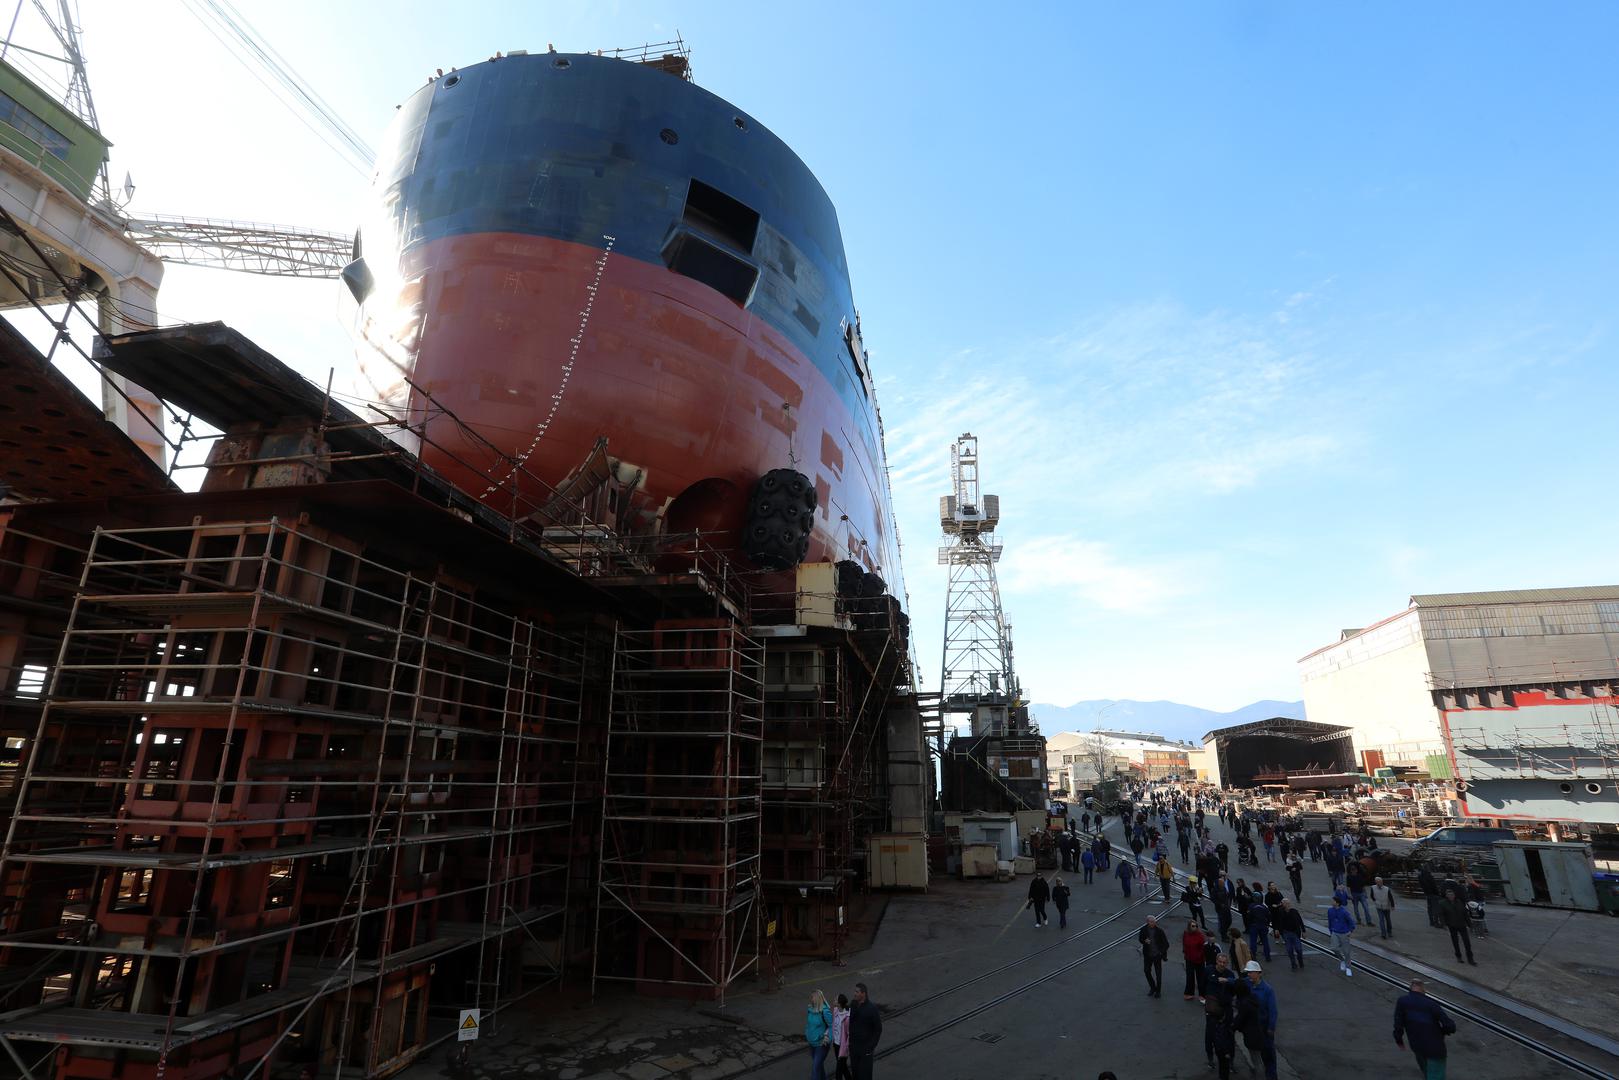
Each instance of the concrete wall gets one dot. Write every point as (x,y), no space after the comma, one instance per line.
(1377,684)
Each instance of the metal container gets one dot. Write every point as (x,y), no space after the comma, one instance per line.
(1549,874)
(898,861)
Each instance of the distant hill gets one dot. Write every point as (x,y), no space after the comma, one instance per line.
(1170,719)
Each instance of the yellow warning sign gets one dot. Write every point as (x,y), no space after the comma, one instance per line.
(468,1029)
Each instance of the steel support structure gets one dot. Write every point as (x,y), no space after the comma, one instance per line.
(678,851)
(281,794)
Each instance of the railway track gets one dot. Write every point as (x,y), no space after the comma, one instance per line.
(1473,1016)
(991,973)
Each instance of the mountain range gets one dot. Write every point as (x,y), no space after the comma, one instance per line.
(1170,719)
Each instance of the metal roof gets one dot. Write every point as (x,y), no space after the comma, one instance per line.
(1285,726)
(1516,596)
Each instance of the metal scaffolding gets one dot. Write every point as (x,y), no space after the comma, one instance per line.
(678,875)
(276,785)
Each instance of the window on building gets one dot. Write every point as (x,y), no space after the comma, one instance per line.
(50,140)
(1608,614)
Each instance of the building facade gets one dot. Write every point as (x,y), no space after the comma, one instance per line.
(1511,694)
(1071,757)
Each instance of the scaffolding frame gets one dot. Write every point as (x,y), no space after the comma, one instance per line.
(826,685)
(193,890)
(679,843)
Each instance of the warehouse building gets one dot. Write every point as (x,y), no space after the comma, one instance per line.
(1511,694)
(1269,751)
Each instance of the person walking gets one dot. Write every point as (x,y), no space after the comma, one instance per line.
(1430,892)
(1265,1006)
(840,1038)
(1419,1018)
(1295,873)
(818,1033)
(1341,924)
(1039,893)
(1126,873)
(1193,945)
(1257,920)
(1185,838)
(1166,876)
(1383,904)
(1059,897)
(1237,949)
(1224,896)
(1453,913)
(1154,947)
(1192,897)
(1219,1033)
(865,1030)
(1289,922)
(1334,864)
(1355,881)
(1087,863)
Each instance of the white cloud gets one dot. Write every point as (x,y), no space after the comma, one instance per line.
(1091,573)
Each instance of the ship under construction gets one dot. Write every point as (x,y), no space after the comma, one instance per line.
(399,715)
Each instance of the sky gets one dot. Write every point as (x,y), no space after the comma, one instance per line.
(1266,315)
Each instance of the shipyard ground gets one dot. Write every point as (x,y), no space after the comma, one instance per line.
(1094,1015)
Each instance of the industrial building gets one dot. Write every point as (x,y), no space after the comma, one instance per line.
(1275,751)
(1509,694)
(1071,757)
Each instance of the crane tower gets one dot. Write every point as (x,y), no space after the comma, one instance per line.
(977,666)
(1001,758)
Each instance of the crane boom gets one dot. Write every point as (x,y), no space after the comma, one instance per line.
(249,246)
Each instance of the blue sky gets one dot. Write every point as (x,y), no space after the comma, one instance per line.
(1266,315)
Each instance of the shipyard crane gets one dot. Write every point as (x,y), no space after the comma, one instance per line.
(1001,749)
(249,246)
(66,239)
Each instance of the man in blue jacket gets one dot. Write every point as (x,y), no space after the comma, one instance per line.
(1419,1018)
(1126,873)
(1265,999)
(1342,926)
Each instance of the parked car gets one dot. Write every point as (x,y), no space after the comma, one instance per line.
(1466,836)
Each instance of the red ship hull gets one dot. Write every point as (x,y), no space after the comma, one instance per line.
(541,346)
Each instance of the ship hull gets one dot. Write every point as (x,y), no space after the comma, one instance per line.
(571,249)
(539,347)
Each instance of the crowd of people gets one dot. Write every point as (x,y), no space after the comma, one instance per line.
(1224,963)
